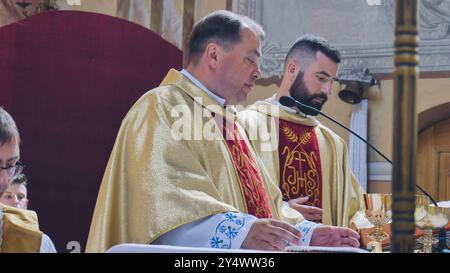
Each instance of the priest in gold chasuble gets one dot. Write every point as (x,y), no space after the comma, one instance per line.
(182,171)
(154,183)
(306,158)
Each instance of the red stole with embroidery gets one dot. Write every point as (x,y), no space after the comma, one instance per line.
(300,167)
(248,172)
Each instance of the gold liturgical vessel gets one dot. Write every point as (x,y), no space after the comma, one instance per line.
(378,212)
(435,218)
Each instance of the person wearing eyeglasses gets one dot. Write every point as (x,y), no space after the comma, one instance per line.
(16,194)
(19,228)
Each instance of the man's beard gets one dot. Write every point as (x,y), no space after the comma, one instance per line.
(300,92)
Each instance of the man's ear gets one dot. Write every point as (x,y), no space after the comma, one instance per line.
(211,54)
(292,70)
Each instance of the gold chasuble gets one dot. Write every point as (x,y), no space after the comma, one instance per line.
(167,170)
(306,159)
(19,231)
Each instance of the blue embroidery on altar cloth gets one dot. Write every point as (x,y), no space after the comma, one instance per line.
(305,227)
(227,230)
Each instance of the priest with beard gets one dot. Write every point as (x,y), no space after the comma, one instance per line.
(307,160)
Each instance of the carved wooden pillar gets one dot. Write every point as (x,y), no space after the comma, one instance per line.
(405,125)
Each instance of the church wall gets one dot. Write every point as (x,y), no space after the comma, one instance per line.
(379,187)
(431,93)
(204,7)
(107,7)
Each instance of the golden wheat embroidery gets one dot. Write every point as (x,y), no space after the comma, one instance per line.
(291,136)
(305,138)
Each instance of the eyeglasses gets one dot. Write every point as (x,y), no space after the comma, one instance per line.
(14,170)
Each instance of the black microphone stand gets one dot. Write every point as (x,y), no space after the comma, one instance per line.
(290,102)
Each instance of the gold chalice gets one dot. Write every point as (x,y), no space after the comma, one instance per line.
(422,204)
(378,212)
(435,218)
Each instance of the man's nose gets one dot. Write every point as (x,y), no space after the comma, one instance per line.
(15,201)
(4,180)
(256,74)
(327,88)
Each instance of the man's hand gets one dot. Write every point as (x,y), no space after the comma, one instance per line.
(271,235)
(334,236)
(309,212)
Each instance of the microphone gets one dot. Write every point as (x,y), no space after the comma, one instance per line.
(291,102)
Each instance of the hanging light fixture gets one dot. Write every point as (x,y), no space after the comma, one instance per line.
(354,83)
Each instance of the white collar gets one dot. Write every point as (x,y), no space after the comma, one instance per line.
(191,77)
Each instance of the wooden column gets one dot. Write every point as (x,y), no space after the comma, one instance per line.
(188,24)
(405,125)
